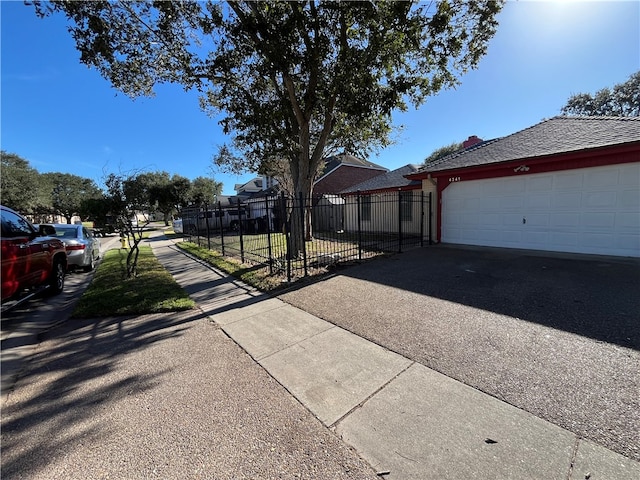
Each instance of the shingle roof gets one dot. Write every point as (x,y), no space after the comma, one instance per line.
(336,160)
(253,184)
(553,136)
(394,179)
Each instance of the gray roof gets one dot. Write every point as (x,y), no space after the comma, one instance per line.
(553,136)
(335,161)
(394,179)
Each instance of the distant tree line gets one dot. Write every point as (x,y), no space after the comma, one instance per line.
(623,100)
(43,195)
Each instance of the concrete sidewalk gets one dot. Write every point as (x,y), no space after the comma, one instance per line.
(406,420)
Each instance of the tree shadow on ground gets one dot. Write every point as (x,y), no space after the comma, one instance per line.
(52,394)
(593,296)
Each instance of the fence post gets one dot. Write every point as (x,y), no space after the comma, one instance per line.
(285,224)
(359,228)
(270,252)
(399,221)
(220,213)
(304,230)
(430,218)
(422,218)
(206,224)
(240,232)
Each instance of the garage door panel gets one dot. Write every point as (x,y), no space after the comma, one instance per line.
(597,240)
(630,199)
(564,219)
(630,175)
(509,202)
(567,200)
(512,237)
(628,242)
(593,210)
(604,177)
(508,219)
(538,238)
(543,183)
(628,220)
(599,220)
(601,199)
(569,181)
(538,201)
(537,220)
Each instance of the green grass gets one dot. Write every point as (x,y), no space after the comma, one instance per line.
(153,290)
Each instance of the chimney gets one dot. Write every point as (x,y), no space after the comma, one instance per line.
(471,141)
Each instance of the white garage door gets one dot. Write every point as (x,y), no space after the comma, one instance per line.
(590,210)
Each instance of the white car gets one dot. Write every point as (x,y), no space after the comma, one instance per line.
(177,225)
(83,248)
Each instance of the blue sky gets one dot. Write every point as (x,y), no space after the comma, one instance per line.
(64,117)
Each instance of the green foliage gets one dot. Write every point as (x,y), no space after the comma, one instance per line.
(289,79)
(153,290)
(18,183)
(168,194)
(442,152)
(68,192)
(204,190)
(622,101)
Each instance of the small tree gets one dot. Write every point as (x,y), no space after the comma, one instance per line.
(622,101)
(128,197)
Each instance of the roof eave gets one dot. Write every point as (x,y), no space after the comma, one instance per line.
(563,157)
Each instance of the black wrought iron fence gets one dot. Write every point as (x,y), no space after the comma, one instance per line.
(298,236)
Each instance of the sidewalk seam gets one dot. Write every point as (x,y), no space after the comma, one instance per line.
(572,461)
(331,327)
(334,425)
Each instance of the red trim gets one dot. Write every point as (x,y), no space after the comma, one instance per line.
(596,157)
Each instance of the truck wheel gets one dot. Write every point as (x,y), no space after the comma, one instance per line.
(56,281)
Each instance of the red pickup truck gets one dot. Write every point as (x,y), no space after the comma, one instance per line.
(31,259)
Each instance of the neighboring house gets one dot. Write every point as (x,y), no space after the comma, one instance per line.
(340,172)
(567,184)
(387,202)
(344,171)
(247,189)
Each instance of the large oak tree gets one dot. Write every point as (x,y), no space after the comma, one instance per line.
(290,79)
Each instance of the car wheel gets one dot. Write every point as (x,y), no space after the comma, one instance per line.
(56,281)
(91,265)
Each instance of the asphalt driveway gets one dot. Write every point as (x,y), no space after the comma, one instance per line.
(558,336)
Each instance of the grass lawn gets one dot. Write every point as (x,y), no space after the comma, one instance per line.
(153,291)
